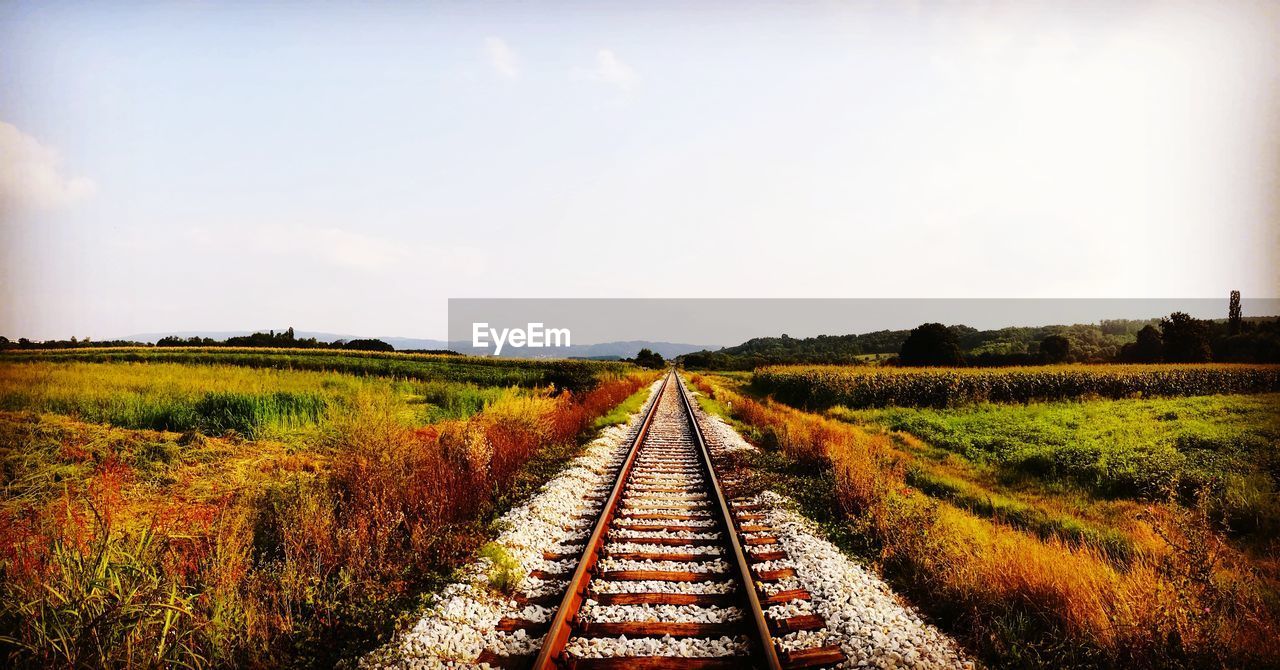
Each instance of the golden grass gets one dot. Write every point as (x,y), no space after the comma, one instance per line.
(1019,600)
(148,548)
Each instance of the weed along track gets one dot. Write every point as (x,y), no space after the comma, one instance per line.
(675,573)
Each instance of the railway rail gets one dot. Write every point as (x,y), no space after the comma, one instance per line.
(675,565)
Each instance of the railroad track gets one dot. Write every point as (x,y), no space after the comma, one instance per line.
(674,565)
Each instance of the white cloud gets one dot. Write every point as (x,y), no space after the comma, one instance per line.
(502,57)
(609,69)
(31,174)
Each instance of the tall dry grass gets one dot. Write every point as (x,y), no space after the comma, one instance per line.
(302,567)
(1188,601)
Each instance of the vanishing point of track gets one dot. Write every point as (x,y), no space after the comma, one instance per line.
(667,526)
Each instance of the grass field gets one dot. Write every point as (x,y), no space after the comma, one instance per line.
(820,387)
(1132,533)
(224,513)
(1220,449)
(571,374)
(217,398)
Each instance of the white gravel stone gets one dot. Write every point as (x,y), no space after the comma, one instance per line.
(679,566)
(593,611)
(664,646)
(681,534)
(781,585)
(803,639)
(789,609)
(626,523)
(664,587)
(619,547)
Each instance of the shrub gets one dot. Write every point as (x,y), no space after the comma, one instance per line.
(504,573)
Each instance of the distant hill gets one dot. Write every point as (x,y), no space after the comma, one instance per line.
(400,343)
(1015,345)
(602,350)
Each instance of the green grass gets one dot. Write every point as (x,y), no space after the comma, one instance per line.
(1221,447)
(622,412)
(503,574)
(811,488)
(1020,514)
(217,399)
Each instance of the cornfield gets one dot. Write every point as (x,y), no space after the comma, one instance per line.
(859,387)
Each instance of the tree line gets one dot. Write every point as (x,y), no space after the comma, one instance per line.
(284,339)
(1176,338)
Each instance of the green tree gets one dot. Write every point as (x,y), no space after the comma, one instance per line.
(368,345)
(649,359)
(1055,348)
(1234,316)
(1148,348)
(931,344)
(1186,339)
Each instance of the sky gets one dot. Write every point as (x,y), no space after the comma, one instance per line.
(348,168)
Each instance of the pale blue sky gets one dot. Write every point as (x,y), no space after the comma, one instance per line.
(348,167)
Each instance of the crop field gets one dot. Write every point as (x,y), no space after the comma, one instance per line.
(1081,530)
(230,508)
(572,374)
(819,387)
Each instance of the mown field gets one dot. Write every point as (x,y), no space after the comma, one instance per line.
(250,508)
(1137,532)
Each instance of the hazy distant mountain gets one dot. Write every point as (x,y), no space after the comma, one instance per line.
(601,350)
(400,343)
(403,343)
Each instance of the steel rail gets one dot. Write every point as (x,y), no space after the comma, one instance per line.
(558,634)
(768,652)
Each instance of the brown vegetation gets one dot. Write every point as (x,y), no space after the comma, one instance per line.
(146,548)
(1184,600)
